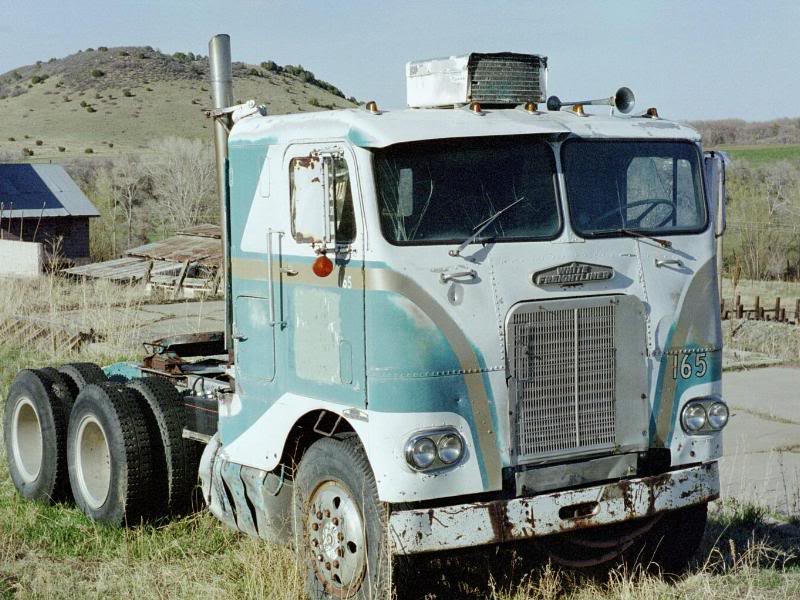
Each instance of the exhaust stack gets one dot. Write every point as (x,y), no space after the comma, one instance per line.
(221,79)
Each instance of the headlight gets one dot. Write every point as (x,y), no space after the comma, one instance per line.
(430,450)
(693,417)
(423,453)
(718,415)
(450,448)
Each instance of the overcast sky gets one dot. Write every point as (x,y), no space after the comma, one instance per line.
(691,59)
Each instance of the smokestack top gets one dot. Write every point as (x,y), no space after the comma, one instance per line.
(221,77)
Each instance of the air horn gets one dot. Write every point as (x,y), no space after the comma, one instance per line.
(623,101)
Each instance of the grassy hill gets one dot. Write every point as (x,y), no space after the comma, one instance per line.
(116,100)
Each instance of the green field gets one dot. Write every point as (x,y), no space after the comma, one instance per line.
(762,154)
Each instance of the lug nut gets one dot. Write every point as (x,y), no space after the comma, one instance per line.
(319,515)
(315,542)
(335,520)
(319,557)
(340,552)
(314,526)
(327,513)
(328,566)
(340,536)
(336,564)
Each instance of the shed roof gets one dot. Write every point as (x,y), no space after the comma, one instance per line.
(41,190)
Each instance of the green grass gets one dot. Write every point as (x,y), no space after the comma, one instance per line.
(762,154)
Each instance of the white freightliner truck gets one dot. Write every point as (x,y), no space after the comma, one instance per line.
(469,322)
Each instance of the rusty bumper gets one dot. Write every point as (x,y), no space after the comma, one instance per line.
(466,525)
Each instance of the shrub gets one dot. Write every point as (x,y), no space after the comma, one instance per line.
(127,93)
(61,149)
(39,142)
(148,89)
(91,109)
(27,152)
(352,99)
(98,73)
(124,53)
(110,144)
(90,49)
(16,76)
(314,102)
(11,139)
(27,137)
(97,96)
(141,55)
(254,73)
(271,66)
(102,48)
(84,104)
(89,151)
(52,60)
(67,99)
(39,79)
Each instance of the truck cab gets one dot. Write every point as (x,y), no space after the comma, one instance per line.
(506,310)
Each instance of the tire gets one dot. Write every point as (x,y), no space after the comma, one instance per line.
(35,428)
(340,524)
(109,456)
(78,375)
(176,459)
(62,388)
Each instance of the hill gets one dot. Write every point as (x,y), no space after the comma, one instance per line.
(116,100)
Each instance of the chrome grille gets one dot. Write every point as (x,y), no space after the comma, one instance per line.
(563,362)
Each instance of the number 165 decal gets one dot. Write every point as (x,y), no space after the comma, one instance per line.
(686,365)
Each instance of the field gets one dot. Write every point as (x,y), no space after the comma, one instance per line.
(761,154)
(55,552)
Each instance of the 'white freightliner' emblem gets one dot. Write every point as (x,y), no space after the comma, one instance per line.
(573,273)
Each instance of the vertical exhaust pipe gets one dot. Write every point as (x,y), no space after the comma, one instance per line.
(221,79)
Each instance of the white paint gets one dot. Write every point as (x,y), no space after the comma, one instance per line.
(384,436)
(20,259)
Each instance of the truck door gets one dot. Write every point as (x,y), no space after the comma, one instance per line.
(321,275)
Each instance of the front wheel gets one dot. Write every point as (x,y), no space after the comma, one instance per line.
(340,524)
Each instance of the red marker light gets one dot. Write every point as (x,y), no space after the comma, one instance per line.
(322,267)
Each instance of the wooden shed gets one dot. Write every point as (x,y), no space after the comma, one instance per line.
(41,203)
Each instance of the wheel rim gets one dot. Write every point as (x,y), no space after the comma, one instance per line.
(335,530)
(27,445)
(93,461)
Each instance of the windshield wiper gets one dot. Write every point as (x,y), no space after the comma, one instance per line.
(664,243)
(481,227)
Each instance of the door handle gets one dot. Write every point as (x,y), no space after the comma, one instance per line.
(445,277)
(665,262)
(272,321)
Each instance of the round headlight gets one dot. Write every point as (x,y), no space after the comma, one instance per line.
(694,417)
(718,415)
(422,453)
(450,448)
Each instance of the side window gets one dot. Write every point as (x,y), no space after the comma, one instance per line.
(661,193)
(321,200)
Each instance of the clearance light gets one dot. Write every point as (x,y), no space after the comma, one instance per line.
(652,112)
(475,107)
(323,266)
(372,107)
(531,107)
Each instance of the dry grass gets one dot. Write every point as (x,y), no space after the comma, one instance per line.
(788,291)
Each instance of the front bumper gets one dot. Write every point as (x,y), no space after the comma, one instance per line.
(466,525)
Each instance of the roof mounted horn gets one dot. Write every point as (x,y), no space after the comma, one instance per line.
(623,100)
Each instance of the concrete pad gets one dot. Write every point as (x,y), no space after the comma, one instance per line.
(771,391)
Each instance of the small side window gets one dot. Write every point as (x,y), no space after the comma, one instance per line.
(321,200)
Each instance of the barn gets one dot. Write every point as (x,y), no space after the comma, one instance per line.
(41,203)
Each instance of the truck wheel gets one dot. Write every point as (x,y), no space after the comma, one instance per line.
(34,423)
(176,475)
(78,375)
(339,522)
(109,456)
(61,388)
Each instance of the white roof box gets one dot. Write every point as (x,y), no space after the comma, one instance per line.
(497,79)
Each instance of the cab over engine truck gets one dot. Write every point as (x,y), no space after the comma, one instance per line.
(478,320)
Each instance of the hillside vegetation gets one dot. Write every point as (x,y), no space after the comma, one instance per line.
(108,101)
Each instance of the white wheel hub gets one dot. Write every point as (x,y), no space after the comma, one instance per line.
(92,461)
(27,446)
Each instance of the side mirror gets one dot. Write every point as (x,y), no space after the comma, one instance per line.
(311,215)
(715,164)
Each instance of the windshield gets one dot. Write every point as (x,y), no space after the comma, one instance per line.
(618,186)
(442,192)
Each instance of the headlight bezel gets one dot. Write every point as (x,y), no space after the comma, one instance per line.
(705,404)
(436,436)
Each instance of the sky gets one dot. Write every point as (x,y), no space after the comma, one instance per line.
(691,59)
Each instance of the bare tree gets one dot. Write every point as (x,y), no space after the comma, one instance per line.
(182,176)
(130,186)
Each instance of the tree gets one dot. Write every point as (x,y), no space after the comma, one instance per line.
(130,186)
(182,175)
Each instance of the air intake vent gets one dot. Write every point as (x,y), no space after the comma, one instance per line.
(507,78)
(499,79)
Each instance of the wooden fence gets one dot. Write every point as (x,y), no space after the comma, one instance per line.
(775,310)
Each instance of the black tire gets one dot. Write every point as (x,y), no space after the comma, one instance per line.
(109,457)
(78,375)
(62,388)
(332,466)
(34,425)
(177,459)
